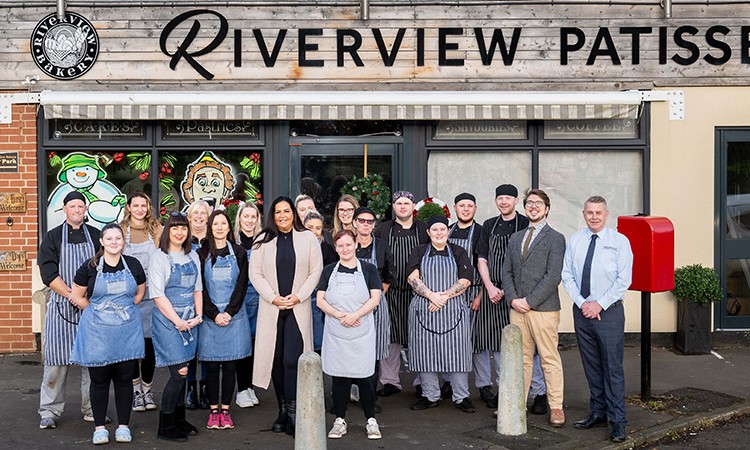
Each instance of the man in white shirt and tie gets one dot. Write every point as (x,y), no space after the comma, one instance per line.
(597,271)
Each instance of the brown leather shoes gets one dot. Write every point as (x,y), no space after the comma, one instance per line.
(556,417)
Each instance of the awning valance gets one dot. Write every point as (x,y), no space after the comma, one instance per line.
(340,105)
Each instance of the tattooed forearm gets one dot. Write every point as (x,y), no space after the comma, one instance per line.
(419,287)
(456,290)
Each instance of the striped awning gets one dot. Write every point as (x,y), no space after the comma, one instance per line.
(341,105)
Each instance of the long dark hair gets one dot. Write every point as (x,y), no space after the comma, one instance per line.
(271,231)
(210,247)
(176,219)
(94,262)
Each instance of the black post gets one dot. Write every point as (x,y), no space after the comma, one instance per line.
(645,346)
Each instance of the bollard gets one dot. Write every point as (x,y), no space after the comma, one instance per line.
(511,402)
(310,431)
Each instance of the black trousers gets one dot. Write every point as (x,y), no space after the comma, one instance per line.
(145,370)
(118,374)
(174,390)
(245,373)
(341,388)
(289,346)
(227,370)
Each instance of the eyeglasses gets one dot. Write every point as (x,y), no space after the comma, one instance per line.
(177,214)
(347,211)
(365,221)
(538,203)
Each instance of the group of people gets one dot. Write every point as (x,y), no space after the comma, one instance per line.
(248,302)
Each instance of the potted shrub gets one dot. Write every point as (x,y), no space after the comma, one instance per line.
(695,288)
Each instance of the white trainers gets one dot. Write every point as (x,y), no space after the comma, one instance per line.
(354,394)
(338,429)
(244,399)
(254,397)
(373,430)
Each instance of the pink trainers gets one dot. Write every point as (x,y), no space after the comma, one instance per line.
(214,420)
(226,419)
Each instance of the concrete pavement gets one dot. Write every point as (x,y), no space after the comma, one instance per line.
(718,381)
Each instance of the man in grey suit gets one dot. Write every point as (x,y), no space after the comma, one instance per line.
(531,275)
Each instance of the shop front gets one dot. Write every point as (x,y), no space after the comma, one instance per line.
(251,101)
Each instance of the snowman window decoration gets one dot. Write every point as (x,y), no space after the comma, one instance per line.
(81,172)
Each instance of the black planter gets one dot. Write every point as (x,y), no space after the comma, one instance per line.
(693,335)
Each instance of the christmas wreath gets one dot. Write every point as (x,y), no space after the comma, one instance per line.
(429,207)
(370,191)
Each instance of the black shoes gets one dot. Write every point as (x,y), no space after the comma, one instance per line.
(167,429)
(590,422)
(181,424)
(279,425)
(492,403)
(540,405)
(388,390)
(191,399)
(446,391)
(204,396)
(418,391)
(486,394)
(618,433)
(291,414)
(423,404)
(466,405)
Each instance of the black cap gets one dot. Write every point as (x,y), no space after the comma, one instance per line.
(437,219)
(506,189)
(464,196)
(363,210)
(75,195)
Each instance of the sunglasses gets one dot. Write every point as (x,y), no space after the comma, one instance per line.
(177,214)
(365,221)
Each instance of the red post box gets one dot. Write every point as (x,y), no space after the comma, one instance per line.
(652,241)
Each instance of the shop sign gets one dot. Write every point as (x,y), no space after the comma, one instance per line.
(12,202)
(591,129)
(211,129)
(9,162)
(96,129)
(480,129)
(12,260)
(64,49)
(679,46)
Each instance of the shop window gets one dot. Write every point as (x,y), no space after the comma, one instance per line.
(317,128)
(104,177)
(570,177)
(452,172)
(217,176)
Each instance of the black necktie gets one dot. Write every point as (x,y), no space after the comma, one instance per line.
(586,278)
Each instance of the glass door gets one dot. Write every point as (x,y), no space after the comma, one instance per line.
(733,234)
(321,169)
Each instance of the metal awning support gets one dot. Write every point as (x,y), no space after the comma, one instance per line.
(61,9)
(342,105)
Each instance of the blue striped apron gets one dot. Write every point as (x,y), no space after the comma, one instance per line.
(381,315)
(61,319)
(439,341)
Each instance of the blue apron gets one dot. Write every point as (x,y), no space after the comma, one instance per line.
(110,330)
(251,303)
(233,341)
(172,346)
(142,252)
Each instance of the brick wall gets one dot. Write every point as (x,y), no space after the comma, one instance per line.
(15,286)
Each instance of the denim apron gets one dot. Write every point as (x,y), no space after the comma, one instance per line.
(348,351)
(251,303)
(172,346)
(233,341)
(142,252)
(439,341)
(110,330)
(61,319)
(381,315)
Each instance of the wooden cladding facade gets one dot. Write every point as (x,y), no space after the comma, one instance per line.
(555,46)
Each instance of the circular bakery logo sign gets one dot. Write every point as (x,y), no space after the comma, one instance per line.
(65,49)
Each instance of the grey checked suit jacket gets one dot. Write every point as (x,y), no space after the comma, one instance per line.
(537,276)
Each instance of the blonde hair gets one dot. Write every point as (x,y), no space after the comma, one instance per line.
(198,204)
(238,226)
(337,225)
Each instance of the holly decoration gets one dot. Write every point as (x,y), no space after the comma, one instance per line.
(430,207)
(54,160)
(251,165)
(370,191)
(230,207)
(164,204)
(166,171)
